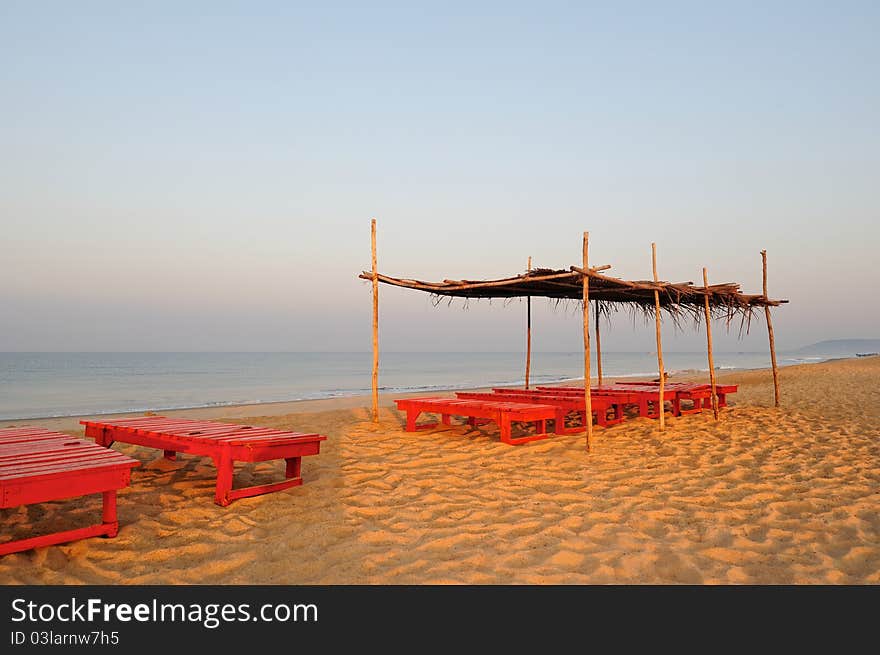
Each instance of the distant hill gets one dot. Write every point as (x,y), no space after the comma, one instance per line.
(842,347)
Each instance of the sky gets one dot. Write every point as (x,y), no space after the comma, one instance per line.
(201,176)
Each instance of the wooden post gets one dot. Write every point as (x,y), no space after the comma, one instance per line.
(770,332)
(588,405)
(598,347)
(709,347)
(528,331)
(375,325)
(659,344)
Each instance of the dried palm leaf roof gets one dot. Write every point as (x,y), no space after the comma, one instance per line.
(725,300)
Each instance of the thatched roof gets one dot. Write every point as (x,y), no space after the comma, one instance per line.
(676,298)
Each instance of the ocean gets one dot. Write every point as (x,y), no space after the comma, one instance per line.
(41,385)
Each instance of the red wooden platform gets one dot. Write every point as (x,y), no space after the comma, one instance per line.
(645,398)
(502,413)
(37,465)
(721,390)
(225,443)
(564,403)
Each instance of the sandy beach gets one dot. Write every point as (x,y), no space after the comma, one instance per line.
(765,496)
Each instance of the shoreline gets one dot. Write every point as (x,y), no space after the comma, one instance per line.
(386,399)
(401,391)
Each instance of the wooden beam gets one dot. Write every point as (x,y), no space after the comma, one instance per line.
(375,381)
(462,286)
(659,344)
(770,333)
(528,330)
(598,347)
(709,347)
(594,269)
(588,405)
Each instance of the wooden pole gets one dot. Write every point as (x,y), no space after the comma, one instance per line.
(375,325)
(709,347)
(588,405)
(659,344)
(770,332)
(598,347)
(528,331)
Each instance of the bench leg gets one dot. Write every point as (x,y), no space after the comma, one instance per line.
(445,419)
(225,494)
(601,416)
(412,415)
(109,519)
(109,527)
(103,438)
(722,401)
(504,425)
(506,434)
(559,423)
(617,417)
(697,406)
(224,479)
(170,455)
(294,467)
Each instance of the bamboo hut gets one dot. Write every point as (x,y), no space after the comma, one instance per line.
(680,301)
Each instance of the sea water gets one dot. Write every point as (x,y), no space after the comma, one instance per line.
(39,385)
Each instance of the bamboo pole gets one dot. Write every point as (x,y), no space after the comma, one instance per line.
(375,382)
(770,333)
(588,405)
(659,344)
(598,347)
(709,347)
(528,331)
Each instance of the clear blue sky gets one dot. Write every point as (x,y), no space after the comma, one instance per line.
(201,175)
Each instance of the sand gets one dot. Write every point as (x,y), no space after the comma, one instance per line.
(766,496)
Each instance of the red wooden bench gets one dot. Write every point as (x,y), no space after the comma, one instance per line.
(502,413)
(697,396)
(37,465)
(565,403)
(721,390)
(676,392)
(225,443)
(645,398)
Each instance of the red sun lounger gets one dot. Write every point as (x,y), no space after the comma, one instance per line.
(696,393)
(721,390)
(564,404)
(645,398)
(37,465)
(225,443)
(502,413)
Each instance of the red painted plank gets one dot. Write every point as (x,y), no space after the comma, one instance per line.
(38,465)
(226,443)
